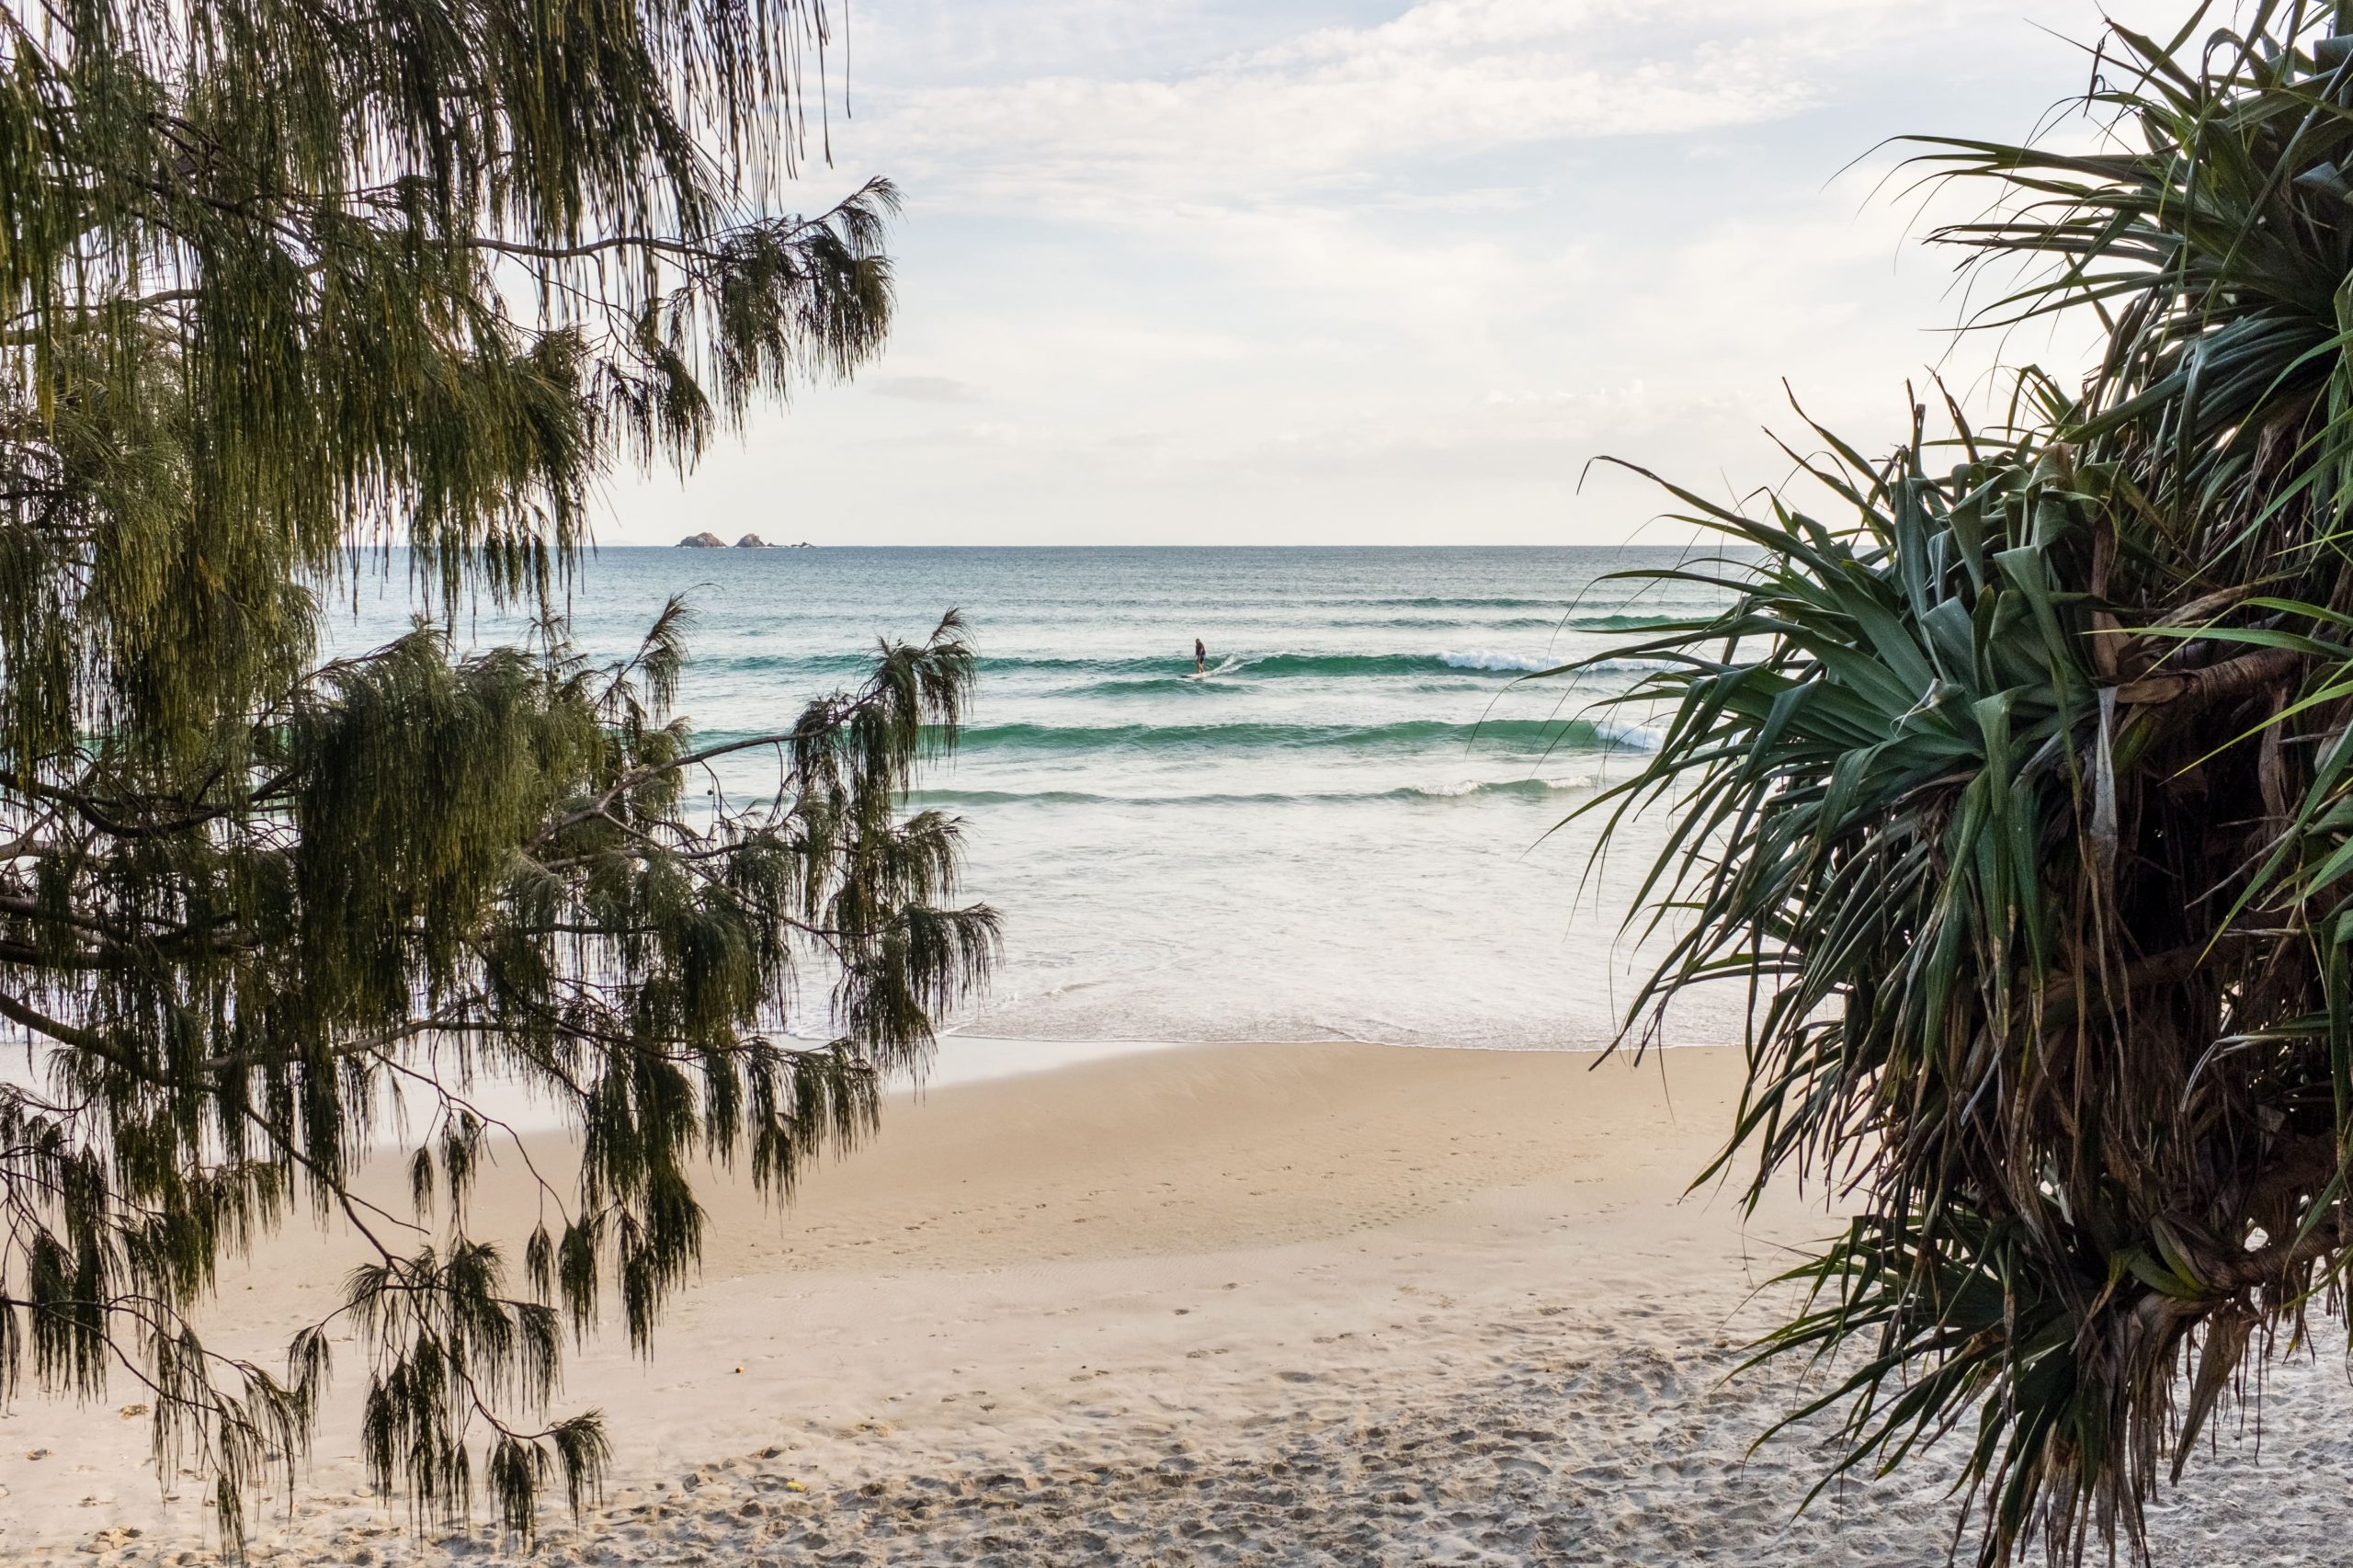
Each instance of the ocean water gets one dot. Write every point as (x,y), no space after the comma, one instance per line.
(1354,828)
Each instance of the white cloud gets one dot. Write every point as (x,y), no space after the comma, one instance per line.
(1351,270)
(922,389)
(1336,109)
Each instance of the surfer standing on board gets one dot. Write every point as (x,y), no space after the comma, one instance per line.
(1200,657)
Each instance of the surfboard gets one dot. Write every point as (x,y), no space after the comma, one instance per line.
(1232,662)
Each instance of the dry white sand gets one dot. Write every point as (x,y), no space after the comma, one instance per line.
(1327,1304)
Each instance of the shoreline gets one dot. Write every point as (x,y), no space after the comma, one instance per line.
(1327,1304)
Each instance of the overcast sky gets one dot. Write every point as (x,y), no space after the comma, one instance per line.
(1360,271)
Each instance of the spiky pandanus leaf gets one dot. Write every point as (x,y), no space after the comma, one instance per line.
(282,285)
(2018,784)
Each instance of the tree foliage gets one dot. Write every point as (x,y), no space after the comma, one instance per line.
(286,282)
(2016,781)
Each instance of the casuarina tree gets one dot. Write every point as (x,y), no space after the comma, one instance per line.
(2016,778)
(300,291)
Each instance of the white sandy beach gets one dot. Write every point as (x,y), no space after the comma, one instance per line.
(1320,1303)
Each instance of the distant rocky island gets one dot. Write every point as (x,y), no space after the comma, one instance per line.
(749,542)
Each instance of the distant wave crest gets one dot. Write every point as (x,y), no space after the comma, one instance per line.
(1621,622)
(1467,788)
(1524,737)
(1162,673)
(1512,735)
(1483,660)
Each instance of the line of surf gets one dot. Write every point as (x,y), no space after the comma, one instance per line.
(1514,736)
(1469,788)
(1452,662)
(1415,734)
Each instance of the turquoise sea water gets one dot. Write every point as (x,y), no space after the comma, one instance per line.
(1352,829)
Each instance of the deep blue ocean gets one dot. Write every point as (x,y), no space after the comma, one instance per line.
(1352,829)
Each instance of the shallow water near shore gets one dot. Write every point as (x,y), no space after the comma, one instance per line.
(1354,821)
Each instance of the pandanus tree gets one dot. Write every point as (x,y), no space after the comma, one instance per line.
(2016,781)
(300,292)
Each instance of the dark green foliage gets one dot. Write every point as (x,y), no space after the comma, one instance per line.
(285,284)
(2020,790)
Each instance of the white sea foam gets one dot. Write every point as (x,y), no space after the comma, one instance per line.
(1625,732)
(1485,659)
(1462,786)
